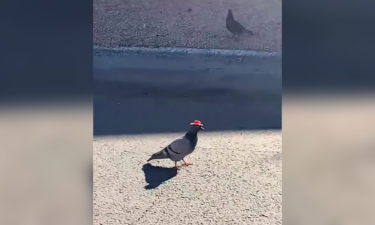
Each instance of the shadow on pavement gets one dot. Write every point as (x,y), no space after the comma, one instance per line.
(156,175)
(143,93)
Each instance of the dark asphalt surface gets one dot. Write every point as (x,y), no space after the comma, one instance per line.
(161,92)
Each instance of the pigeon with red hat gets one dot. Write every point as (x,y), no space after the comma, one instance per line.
(181,147)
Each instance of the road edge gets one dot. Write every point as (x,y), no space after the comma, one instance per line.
(98,50)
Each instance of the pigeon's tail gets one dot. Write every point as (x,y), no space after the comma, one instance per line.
(159,155)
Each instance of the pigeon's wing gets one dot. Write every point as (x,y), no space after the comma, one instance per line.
(180,146)
(163,154)
(237,26)
(178,149)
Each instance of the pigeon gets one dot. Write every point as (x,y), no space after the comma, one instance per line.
(181,147)
(235,27)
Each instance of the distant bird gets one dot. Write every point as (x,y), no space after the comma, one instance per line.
(181,147)
(235,27)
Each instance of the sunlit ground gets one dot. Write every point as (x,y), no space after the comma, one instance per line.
(235,179)
(329,159)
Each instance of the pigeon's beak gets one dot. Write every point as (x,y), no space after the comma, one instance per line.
(201,127)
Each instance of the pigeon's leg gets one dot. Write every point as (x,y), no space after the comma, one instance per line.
(175,165)
(187,163)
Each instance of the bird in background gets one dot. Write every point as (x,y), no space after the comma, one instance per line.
(235,27)
(181,147)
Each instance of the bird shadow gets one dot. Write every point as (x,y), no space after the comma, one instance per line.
(156,175)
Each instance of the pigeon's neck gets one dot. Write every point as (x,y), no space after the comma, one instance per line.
(230,16)
(191,134)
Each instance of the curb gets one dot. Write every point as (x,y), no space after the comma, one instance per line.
(245,69)
(183,51)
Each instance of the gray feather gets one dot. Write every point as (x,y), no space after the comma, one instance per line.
(159,155)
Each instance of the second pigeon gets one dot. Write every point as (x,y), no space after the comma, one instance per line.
(235,27)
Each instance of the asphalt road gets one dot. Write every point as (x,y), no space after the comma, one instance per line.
(188,23)
(235,179)
(138,93)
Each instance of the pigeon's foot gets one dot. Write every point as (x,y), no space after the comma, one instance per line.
(187,163)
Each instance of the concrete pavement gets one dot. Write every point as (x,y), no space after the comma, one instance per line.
(235,179)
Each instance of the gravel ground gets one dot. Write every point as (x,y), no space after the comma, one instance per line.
(235,179)
(188,23)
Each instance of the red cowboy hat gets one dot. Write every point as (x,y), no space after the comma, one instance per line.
(197,123)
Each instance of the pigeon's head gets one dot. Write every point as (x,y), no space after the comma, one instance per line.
(197,124)
(230,14)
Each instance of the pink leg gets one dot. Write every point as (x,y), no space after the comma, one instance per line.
(175,166)
(187,163)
